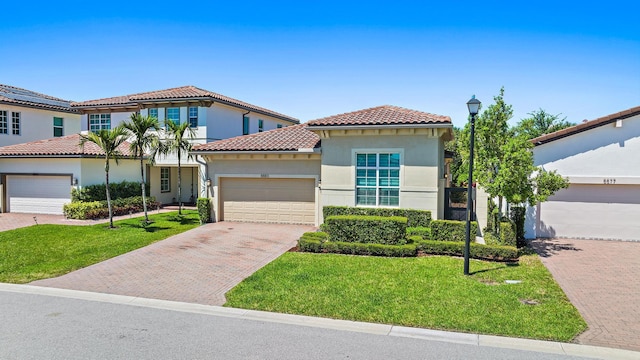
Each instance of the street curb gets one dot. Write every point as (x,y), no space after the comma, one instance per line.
(345,325)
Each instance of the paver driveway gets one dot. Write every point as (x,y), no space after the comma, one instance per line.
(197,266)
(601,278)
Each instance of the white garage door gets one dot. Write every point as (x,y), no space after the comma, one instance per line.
(592,212)
(37,194)
(286,201)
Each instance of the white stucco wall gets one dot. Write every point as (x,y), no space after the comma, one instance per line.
(421,169)
(190,184)
(604,161)
(36,124)
(225,122)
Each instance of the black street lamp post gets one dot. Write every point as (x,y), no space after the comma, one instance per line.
(474,107)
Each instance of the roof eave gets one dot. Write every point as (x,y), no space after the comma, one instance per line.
(39,107)
(222,152)
(387,126)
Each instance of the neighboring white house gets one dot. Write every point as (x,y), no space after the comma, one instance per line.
(26,116)
(601,158)
(385,156)
(212,117)
(38,176)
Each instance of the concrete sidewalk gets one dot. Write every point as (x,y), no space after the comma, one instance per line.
(601,279)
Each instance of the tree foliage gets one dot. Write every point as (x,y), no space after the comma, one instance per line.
(503,164)
(540,123)
(178,141)
(108,141)
(143,133)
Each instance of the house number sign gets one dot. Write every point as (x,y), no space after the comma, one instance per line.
(264,175)
(609,181)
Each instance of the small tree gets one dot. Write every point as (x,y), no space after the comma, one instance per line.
(178,141)
(143,130)
(540,123)
(108,141)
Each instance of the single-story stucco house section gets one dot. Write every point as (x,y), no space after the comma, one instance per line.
(385,156)
(601,159)
(38,176)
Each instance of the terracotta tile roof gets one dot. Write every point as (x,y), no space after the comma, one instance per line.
(587,125)
(22,97)
(382,115)
(178,93)
(65,146)
(289,138)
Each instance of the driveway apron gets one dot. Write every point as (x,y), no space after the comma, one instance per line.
(197,266)
(601,279)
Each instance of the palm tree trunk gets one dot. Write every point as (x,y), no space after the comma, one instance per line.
(179,186)
(144,198)
(106,171)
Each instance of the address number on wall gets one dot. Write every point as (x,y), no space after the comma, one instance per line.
(609,181)
(264,175)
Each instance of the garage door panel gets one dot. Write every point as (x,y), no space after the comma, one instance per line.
(268,200)
(37,194)
(610,212)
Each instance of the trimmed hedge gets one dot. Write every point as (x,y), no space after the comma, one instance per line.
(367,229)
(125,189)
(517,215)
(452,230)
(507,235)
(476,251)
(204,210)
(414,217)
(99,209)
(315,245)
(421,231)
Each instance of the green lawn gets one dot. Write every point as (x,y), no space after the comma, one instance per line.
(44,251)
(429,292)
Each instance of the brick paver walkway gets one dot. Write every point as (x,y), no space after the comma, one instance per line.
(602,279)
(197,266)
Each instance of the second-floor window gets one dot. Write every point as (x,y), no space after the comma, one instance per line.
(245,125)
(153,112)
(98,122)
(193,116)
(279,126)
(173,115)
(260,125)
(58,127)
(3,122)
(15,123)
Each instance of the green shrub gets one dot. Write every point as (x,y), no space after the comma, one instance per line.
(100,210)
(414,217)
(476,251)
(452,230)
(309,245)
(367,229)
(79,210)
(317,235)
(98,192)
(422,231)
(369,249)
(204,210)
(517,216)
(507,235)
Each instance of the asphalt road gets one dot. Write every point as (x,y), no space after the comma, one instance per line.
(48,327)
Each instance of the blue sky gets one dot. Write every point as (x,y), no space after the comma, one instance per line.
(314,59)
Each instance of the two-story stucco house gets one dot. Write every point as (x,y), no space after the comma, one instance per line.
(385,156)
(601,159)
(56,164)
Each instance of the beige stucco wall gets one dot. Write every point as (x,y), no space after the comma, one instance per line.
(421,168)
(190,184)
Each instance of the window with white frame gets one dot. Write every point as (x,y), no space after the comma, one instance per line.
(58,127)
(165,179)
(99,122)
(15,123)
(173,115)
(378,179)
(3,122)
(193,116)
(153,112)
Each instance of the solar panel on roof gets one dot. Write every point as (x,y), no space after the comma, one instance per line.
(22,95)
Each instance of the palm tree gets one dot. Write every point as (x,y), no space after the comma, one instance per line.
(108,141)
(143,131)
(178,141)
